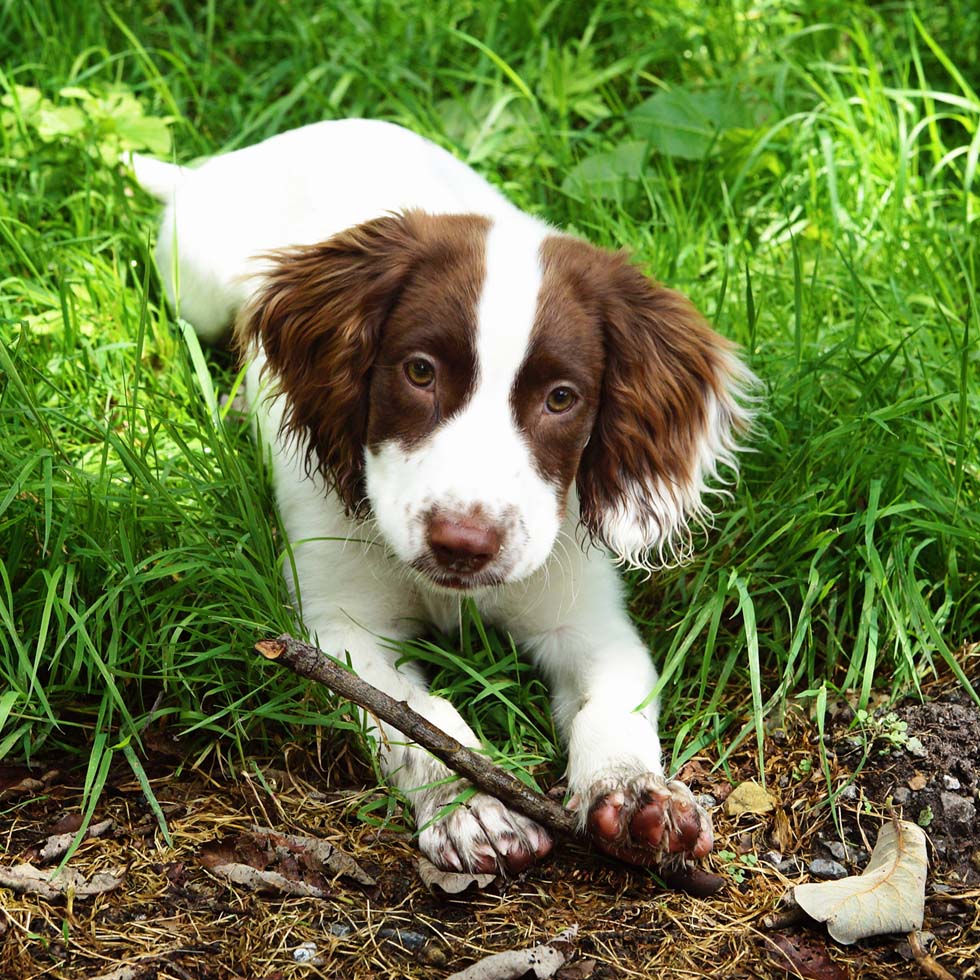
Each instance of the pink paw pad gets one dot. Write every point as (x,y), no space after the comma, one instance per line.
(645,819)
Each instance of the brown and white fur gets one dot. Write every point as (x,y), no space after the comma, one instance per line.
(460,400)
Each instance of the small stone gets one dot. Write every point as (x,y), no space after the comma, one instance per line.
(789,866)
(957,809)
(773,857)
(951,782)
(849,792)
(837,850)
(304,953)
(707,800)
(827,870)
(432,954)
(901,795)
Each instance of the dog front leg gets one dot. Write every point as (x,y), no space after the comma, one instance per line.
(601,678)
(479,834)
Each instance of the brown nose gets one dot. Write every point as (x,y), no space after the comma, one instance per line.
(463,544)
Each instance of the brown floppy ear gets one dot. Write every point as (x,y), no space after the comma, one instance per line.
(318,315)
(669,416)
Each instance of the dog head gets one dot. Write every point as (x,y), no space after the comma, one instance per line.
(466,381)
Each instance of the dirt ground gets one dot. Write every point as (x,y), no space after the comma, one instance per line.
(173,916)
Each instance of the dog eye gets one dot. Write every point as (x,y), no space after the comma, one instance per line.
(560,400)
(420,372)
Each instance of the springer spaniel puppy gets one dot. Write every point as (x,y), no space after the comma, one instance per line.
(459,400)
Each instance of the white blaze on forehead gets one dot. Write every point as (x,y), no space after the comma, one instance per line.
(508,305)
(478,458)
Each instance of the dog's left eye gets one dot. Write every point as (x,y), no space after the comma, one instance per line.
(420,372)
(560,400)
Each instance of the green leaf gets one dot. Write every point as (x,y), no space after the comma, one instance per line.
(685,124)
(26,99)
(604,174)
(144,133)
(56,121)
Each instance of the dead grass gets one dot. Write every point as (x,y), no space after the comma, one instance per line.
(172,918)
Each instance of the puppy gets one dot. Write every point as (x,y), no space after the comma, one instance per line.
(460,400)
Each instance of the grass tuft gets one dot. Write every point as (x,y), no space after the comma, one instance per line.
(808,174)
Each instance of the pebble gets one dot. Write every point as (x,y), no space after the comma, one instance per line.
(304,953)
(789,866)
(827,870)
(706,800)
(901,795)
(951,782)
(957,809)
(837,850)
(849,792)
(773,857)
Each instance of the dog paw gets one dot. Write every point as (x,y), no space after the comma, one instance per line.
(480,836)
(645,820)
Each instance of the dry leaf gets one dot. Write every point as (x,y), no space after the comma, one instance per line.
(261,880)
(748,797)
(56,845)
(265,860)
(579,970)
(26,879)
(782,833)
(329,856)
(538,961)
(804,957)
(889,896)
(450,882)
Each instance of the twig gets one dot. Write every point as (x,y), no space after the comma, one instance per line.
(927,964)
(308,661)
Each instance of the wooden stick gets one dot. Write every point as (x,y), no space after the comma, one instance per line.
(308,661)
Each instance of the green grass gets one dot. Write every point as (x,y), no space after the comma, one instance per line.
(806,172)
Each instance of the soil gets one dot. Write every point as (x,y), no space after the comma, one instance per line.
(174,916)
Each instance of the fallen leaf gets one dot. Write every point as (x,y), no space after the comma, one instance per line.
(26,879)
(329,856)
(539,961)
(265,860)
(450,882)
(579,970)
(889,896)
(782,833)
(19,781)
(748,797)
(804,957)
(56,845)
(262,880)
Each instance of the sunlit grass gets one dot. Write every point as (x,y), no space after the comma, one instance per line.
(810,181)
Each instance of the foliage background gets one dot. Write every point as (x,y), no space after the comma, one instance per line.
(807,172)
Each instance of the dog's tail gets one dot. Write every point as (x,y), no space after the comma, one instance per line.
(157,177)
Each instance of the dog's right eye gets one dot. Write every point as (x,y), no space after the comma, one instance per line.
(420,372)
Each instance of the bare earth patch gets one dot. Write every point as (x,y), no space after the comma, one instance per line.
(176,915)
